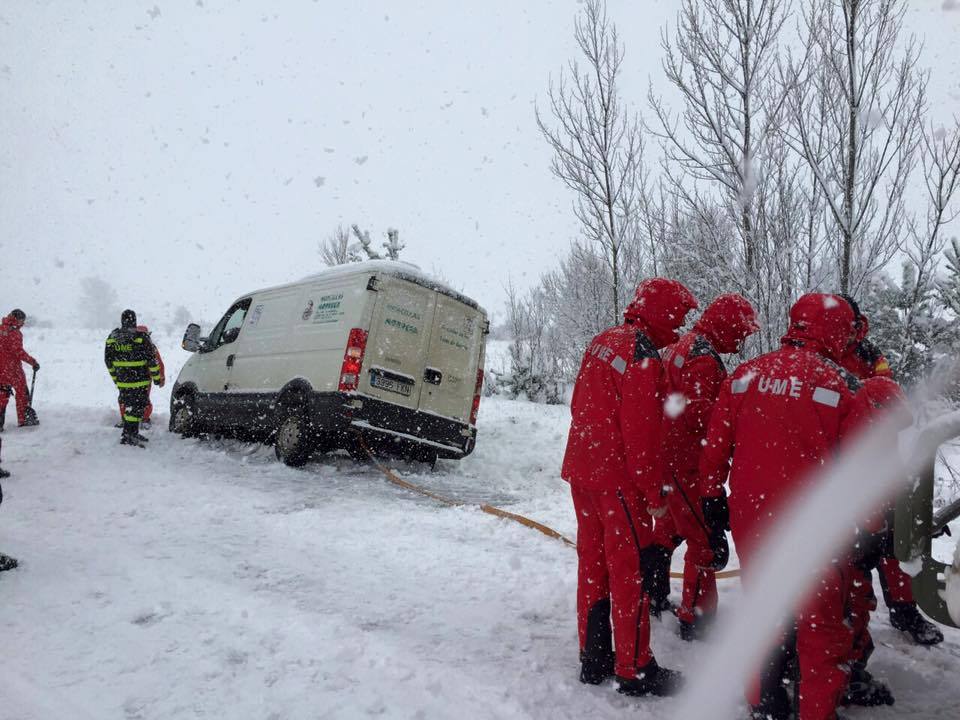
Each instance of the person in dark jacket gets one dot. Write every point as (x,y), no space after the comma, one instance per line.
(12,357)
(130,358)
(612,463)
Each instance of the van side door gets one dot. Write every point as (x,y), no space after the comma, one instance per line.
(213,377)
(398,341)
(454,357)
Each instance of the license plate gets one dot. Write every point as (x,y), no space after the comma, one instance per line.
(391,385)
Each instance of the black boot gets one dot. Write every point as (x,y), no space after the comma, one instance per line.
(597,657)
(658,606)
(651,680)
(773,706)
(7,562)
(865,690)
(596,671)
(4,474)
(907,618)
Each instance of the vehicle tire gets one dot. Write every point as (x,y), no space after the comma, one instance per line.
(183,417)
(293,439)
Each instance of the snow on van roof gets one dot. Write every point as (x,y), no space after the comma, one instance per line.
(404,270)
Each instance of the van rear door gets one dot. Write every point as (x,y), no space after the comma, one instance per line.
(455,355)
(398,342)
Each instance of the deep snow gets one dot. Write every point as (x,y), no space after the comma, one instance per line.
(203,579)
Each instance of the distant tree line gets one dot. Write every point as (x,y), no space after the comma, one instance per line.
(784,170)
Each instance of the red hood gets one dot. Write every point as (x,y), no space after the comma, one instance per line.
(11,322)
(660,305)
(822,323)
(727,322)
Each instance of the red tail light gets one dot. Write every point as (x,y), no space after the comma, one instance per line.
(353,360)
(476,398)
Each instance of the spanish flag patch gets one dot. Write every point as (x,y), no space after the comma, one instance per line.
(882,366)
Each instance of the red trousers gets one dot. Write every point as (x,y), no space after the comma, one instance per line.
(823,638)
(684,523)
(17,383)
(897,588)
(823,642)
(861,603)
(612,526)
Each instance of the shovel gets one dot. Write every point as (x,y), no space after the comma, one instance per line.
(30,415)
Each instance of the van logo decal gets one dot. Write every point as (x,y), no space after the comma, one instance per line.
(328,310)
(307,311)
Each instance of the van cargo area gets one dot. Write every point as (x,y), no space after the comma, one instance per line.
(372,355)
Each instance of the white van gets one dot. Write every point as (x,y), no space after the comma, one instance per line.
(374,350)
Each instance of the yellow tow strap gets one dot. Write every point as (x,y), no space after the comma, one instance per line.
(498,512)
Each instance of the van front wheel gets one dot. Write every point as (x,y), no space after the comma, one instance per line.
(293,441)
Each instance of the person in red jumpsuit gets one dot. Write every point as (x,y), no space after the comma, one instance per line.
(158,365)
(613,465)
(12,357)
(695,373)
(777,419)
(865,360)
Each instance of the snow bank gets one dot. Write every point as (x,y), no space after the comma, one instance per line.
(204,579)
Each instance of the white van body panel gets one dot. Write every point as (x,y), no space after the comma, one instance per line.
(424,348)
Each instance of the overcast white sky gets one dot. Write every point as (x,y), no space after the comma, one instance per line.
(190,151)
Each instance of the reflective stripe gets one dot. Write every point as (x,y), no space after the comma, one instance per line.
(826,397)
(740,385)
(129,363)
(111,341)
(138,340)
(130,386)
(154,369)
(619,364)
(131,418)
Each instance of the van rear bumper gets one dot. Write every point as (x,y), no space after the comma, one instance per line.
(394,429)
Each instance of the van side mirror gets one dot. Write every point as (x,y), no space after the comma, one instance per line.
(191,338)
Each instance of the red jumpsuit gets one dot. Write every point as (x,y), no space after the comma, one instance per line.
(612,462)
(777,419)
(695,373)
(12,357)
(865,360)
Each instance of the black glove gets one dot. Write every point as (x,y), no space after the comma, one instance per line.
(716,516)
(36,366)
(655,561)
(871,547)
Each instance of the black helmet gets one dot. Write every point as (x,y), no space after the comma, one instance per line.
(18,314)
(128,319)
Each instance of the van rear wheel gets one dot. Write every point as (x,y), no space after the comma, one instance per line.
(293,440)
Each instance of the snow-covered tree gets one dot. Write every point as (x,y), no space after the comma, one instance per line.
(597,145)
(338,250)
(98,303)
(950,285)
(862,89)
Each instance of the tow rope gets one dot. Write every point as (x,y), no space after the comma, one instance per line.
(495,511)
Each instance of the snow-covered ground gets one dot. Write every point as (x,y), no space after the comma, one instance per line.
(204,579)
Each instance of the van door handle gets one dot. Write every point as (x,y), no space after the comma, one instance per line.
(432,376)
(230,359)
